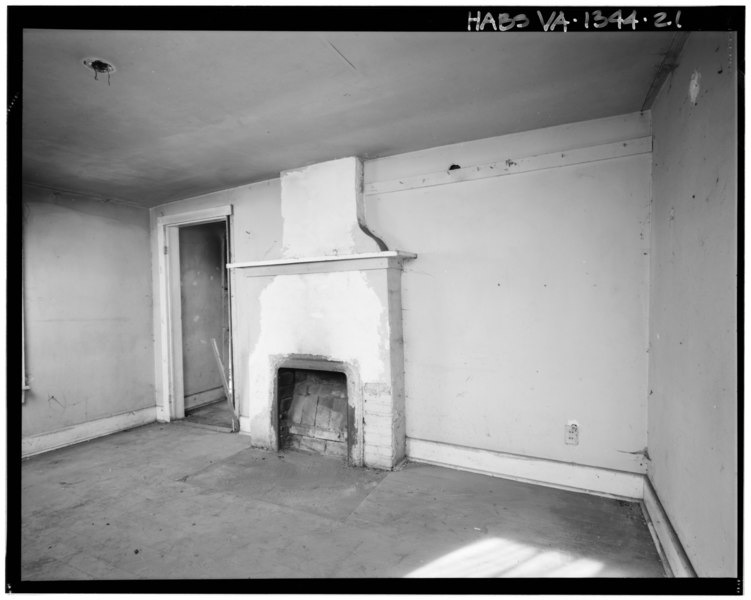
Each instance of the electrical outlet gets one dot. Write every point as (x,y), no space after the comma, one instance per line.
(572,433)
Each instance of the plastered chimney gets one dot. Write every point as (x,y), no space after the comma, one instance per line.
(322,211)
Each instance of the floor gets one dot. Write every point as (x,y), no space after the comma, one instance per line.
(173,501)
(217,416)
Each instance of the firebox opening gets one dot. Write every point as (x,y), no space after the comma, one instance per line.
(313,411)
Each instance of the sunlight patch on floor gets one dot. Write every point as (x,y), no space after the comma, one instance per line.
(496,557)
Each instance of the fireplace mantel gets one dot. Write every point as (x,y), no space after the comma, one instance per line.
(316,264)
(388,254)
(339,309)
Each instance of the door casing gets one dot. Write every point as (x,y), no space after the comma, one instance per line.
(171,400)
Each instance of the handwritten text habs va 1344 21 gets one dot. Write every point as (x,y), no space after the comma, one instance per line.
(585,20)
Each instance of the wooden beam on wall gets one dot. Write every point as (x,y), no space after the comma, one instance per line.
(513,166)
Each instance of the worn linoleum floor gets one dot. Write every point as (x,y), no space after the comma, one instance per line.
(166,501)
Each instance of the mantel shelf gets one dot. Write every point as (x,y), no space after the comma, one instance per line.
(393,254)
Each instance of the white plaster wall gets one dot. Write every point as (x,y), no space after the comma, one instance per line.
(693,402)
(257,220)
(320,205)
(319,209)
(527,304)
(87,297)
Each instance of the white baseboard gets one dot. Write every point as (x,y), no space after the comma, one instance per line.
(162,414)
(593,480)
(667,541)
(44,442)
(244,425)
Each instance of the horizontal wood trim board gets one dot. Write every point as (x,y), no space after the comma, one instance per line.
(44,442)
(593,480)
(670,545)
(388,255)
(514,166)
(311,268)
(656,540)
(204,214)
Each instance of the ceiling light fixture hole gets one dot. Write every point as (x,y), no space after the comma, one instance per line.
(98,65)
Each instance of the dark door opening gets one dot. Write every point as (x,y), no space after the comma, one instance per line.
(204,301)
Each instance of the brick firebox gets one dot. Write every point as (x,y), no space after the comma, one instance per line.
(313,411)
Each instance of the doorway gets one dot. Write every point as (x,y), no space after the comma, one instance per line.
(195,347)
(204,307)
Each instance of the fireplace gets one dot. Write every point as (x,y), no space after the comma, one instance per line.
(313,411)
(332,303)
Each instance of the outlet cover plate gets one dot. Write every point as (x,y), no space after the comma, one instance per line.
(572,433)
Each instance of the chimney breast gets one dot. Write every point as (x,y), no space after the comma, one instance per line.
(321,204)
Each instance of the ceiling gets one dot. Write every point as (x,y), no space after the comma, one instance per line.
(190,112)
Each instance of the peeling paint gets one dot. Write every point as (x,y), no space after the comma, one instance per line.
(343,303)
(694,87)
(349,325)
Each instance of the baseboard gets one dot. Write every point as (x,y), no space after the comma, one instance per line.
(44,442)
(162,415)
(581,478)
(667,542)
(204,398)
(244,426)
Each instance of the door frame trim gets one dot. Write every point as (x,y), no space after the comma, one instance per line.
(171,400)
